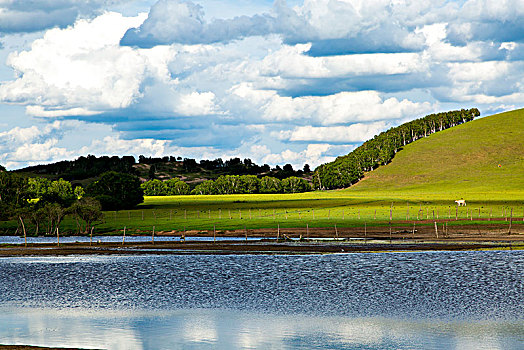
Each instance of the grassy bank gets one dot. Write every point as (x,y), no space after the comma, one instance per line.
(317,209)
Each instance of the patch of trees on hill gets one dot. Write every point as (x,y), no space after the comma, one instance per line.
(90,167)
(84,167)
(349,169)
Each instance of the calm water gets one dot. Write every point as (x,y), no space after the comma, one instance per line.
(435,300)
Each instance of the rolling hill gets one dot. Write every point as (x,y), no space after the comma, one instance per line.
(483,158)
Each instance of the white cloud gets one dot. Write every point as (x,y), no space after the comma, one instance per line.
(313,154)
(182,21)
(33,144)
(196,104)
(340,108)
(291,62)
(23,16)
(335,134)
(78,67)
(115,145)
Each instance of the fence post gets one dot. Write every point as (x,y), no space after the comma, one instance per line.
(510,220)
(23,228)
(124,237)
(307,231)
(153,236)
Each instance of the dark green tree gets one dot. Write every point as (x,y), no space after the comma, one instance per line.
(116,191)
(176,187)
(14,193)
(88,210)
(154,188)
(270,184)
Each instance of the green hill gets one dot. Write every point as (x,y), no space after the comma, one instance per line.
(483,159)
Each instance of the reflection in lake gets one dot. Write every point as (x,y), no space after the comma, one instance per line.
(434,300)
(230,329)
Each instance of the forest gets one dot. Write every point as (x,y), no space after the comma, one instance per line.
(380,150)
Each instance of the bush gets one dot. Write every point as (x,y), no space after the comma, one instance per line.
(116,191)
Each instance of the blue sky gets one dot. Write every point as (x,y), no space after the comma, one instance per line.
(275,81)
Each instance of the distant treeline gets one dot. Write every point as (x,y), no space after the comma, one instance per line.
(92,166)
(349,169)
(228,184)
(85,167)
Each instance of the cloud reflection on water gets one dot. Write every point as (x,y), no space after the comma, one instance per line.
(230,329)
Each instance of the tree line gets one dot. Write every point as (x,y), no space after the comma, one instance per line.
(349,169)
(86,167)
(228,184)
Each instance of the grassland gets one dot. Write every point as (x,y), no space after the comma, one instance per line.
(419,185)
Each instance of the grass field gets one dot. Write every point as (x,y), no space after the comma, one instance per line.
(420,185)
(316,209)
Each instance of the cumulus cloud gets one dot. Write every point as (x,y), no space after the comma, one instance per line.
(292,62)
(182,21)
(78,67)
(314,155)
(335,134)
(36,15)
(488,20)
(334,26)
(32,144)
(343,107)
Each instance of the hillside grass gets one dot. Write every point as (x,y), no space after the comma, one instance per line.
(460,162)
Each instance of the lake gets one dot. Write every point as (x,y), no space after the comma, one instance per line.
(430,300)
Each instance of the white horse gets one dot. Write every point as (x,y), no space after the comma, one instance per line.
(461,202)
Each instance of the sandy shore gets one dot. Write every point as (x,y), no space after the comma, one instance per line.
(257,247)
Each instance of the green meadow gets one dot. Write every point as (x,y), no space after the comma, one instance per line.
(315,209)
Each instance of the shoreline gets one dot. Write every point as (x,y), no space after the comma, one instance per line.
(259,247)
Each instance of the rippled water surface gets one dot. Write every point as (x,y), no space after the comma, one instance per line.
(436,300)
